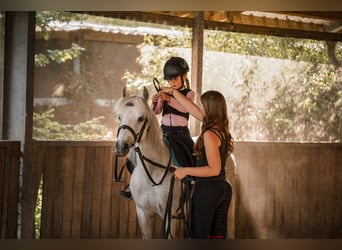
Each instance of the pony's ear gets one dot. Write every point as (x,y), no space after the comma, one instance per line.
(124,92)
(145,93)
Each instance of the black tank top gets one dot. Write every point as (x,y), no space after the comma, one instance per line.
(223,153)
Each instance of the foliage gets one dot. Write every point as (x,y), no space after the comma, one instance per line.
(45,127)
(154,52)
(308,112)
(297,112)
(285,48)
(43,19)
(58,55)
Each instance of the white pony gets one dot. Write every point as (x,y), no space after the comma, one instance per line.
(140,138)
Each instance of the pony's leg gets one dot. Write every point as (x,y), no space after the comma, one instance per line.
(146,223)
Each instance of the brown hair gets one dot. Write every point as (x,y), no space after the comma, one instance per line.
(215,117)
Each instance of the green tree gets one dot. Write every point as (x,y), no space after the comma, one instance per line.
(310,111)
(43,18)
(307,108)
(46,127)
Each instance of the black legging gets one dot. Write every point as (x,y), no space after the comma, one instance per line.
(210,203)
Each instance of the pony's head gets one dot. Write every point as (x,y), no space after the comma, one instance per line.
(136,121)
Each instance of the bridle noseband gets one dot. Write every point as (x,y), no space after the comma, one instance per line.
(137,138)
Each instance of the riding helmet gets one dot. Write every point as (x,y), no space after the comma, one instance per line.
(175,66)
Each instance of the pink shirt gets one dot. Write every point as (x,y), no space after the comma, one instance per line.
(172,119)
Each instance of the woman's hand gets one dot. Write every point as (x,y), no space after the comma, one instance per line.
(180,173)
(166,90)
(165,97)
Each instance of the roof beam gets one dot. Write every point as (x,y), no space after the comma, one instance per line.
(236,22)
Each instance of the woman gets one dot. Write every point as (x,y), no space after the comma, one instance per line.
(212,192)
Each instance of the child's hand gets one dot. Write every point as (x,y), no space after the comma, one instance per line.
(155,98)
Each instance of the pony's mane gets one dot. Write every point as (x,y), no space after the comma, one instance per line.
(154,131)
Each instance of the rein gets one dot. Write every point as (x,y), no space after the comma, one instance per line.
(143,159)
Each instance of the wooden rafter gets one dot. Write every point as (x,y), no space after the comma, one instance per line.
(318,25)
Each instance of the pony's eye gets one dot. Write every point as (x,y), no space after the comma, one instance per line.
(141,119)
(119,117)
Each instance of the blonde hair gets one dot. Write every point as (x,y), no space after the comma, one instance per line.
(215,117)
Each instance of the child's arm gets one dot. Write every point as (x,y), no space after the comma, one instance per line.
(157,104)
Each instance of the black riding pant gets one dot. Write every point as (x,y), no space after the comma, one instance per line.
(181,143)
(210,203)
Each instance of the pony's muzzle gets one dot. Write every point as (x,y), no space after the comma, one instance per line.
(121,148)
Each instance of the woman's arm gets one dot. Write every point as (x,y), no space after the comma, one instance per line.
(190,106)
(211,144)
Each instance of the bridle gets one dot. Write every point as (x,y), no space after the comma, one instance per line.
(143,158)
(136,136)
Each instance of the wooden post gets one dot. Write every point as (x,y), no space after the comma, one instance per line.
(197,65)
(18,101)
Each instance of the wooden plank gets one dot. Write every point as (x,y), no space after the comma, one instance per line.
(124,205)
(59,194)
(9,184)
(68,173)
(233,180)
(243,153)
(289,193)
(336,230)
(116,200)
(325,192)
(258,183)
(50,162)
(88,194)
(107,174)
(78,192)
(13,191)
(3,167)
(273,177)
(96,194)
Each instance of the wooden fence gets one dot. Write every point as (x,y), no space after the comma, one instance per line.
(289,190)
(9,185)
(80,198)
(281,190)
